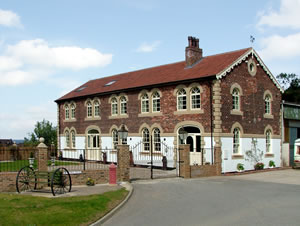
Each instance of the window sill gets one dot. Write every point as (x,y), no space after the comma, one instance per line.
(237,156)
(92,119)
(117,116)
(268,116)
(70,120)
(236,112)
(148,153)
(185,112)
(150,114)
(269,155)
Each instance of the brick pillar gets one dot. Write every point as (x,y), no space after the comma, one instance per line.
(123,162)
(184,161)
(218,160)
(42,156)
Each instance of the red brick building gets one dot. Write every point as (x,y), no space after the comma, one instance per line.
(222,100)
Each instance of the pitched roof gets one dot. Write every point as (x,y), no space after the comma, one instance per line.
(206,67)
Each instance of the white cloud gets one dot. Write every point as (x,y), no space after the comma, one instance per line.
(17,126)
(288,15)
(39,52)
(9,19)
(32,60)
(148,47)
(277,46)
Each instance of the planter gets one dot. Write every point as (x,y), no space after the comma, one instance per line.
(31,162)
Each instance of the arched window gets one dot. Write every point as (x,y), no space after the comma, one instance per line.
(93,139)
(67,112)
(67,139)
(156,140)
(195,98)
(268,141)
(236,141)
(115,138)
(114,106)
(181,99)
(268,104)
(73,111)
(236,99)
(123,102)
(96,108)
(89,109)
(73,137)
(156,102)
(145,103)
(146,140)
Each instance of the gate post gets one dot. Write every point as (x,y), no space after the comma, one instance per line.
(123,162)
(218,160)
(184,161)
(42,156)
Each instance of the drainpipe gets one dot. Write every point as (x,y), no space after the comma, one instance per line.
(211,124)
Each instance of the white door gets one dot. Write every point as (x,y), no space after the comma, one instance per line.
(194,140)
(93,151)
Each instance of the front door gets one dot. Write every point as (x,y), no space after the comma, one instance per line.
(194,140)
(93,150)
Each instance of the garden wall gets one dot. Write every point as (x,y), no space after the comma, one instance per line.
(203,171)
(8,181)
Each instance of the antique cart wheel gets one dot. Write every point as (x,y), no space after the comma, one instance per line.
(61,181)
(26,179)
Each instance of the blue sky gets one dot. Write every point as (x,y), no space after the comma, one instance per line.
(48,48)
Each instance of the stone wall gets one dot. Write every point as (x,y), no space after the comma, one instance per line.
(8,181)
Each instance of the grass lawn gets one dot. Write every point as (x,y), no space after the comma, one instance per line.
(80,210)
(15,166)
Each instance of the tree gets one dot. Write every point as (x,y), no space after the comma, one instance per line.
(43,129)
(291,83)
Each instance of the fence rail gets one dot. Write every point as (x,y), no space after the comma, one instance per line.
(12,159)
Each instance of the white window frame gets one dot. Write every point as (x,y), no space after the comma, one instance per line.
(145,103)
(115,138)
(268,141)
(96,108)
(195,98)
(236,141)
(93,138)
(268,104)
(156,140)
(73,139)
(67,112)
(156,102)
(236,99)
(89,108)
(181,100)
(73,111)
(114,106)
(67,134)
(123,105)
(146,139)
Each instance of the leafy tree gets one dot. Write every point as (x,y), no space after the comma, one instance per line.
(291,83)
(43,129)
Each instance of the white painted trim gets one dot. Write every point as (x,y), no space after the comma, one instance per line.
(243,58)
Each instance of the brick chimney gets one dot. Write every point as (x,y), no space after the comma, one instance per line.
(192,52)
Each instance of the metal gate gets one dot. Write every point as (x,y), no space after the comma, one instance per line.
(151,160)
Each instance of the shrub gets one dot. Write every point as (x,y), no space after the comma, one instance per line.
(259,166)
(31,155)
(271,163)
(90,182)
(240,166)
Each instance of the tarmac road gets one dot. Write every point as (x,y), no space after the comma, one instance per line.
(226,200)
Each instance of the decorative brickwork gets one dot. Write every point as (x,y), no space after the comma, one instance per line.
(123,163)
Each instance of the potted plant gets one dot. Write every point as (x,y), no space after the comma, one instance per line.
(31,159)
(271,164)
(240,167)
(90,182)
(259,166)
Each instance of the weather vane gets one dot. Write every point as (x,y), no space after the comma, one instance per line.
(252,39)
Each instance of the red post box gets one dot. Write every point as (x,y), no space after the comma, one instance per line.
(112,174)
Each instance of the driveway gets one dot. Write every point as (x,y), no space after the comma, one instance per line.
(253,199)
